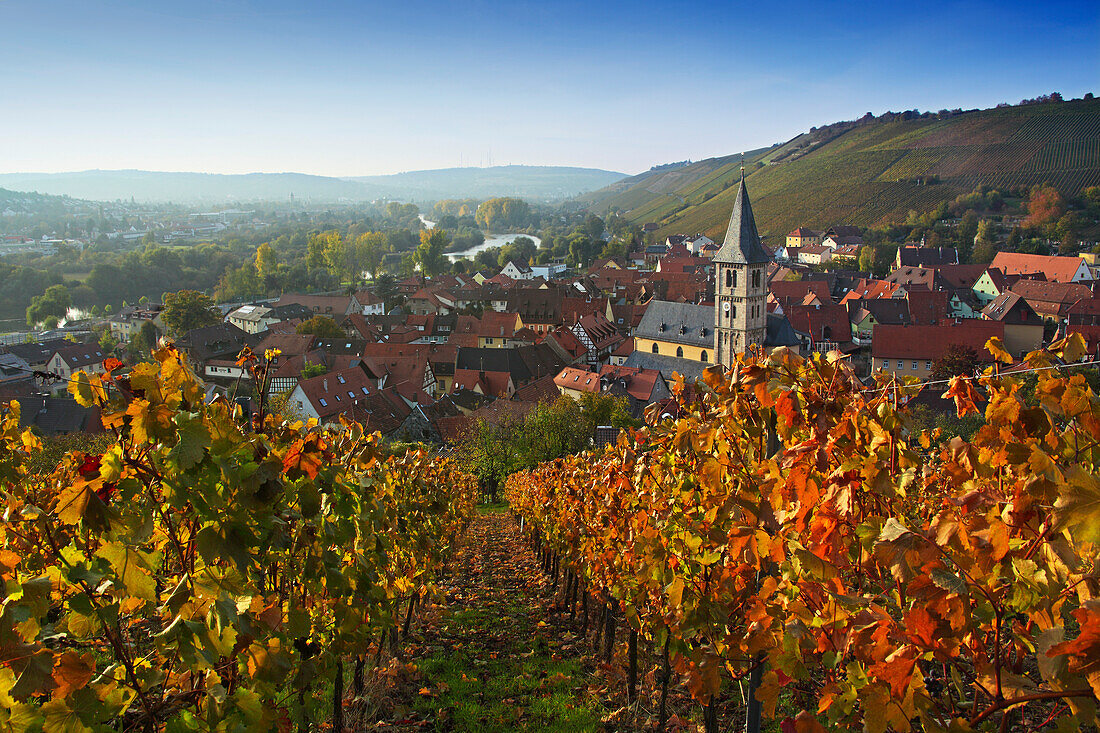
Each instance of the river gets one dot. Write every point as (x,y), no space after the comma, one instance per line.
(491,240)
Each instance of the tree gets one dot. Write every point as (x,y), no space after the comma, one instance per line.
(320,326)
(369,249)
(54,302)
(107,341)
(385,288)
(189,309)
(1044,206)
(502,213)
(429,255)
(867,258)
(956,360)
(967,231)
(267,263)
(313,370)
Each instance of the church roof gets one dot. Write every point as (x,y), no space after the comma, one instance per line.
(742,244)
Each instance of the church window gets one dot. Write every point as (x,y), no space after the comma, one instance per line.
(734,278)
(702,356)
(729,278)
(733,311)
(654,348)
(679,352)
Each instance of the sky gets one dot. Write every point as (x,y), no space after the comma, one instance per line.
(363,88)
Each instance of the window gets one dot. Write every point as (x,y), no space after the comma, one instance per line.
(679,352)
(729,278)
(901,364)
(351,394)
(489,340)
(323,403)
(702,356)
(734,278)
(928,365)
(914,365)
(340,378)
(654,348)
(733,311)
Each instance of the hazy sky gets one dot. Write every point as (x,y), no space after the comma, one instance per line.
(357,88)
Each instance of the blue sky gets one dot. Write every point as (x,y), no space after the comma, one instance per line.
(359,88)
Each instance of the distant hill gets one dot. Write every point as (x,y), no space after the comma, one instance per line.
(531,182)
(871,171)
(15,203)
(524,181)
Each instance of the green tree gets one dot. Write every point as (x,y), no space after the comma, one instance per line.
(313,370)
(267,263)
(429,255)
(189,309)
(867,258)
(107,341)
(54,302)
(385,287)
(322,326)
(369,249)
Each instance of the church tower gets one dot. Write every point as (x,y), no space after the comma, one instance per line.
(740,313)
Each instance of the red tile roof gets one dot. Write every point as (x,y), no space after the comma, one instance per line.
(929,342)
(493,384)
(792,292)
(334,393)
(1060,269)
(578,379)
(825,323)
(1051,299)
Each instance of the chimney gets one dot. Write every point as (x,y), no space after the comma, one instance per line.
(325,383)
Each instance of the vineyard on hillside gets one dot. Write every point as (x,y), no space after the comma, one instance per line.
(824,183)
(790,533)
(208,571)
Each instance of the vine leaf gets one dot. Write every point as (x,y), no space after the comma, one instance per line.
(995,347)
(966,397)
(72,671)
(1084,651)
(1078,505)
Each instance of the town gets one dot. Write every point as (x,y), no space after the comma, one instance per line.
(432,357)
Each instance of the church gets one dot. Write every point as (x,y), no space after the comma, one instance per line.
(685,338)
(740,285)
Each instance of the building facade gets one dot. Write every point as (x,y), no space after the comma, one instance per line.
(740,312)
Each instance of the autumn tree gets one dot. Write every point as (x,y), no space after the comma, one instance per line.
(1044,206)
(322,326)
(867,258)
(267,263)
(187,310)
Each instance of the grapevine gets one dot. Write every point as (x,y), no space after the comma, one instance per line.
(791,527)
(204,571)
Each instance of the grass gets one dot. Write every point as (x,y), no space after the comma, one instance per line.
(524,685)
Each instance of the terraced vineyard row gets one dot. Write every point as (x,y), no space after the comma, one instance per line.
(207,572)
(792,537)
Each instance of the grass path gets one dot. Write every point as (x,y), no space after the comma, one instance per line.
(487,659)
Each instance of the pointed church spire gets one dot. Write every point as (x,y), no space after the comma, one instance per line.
(742,244)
